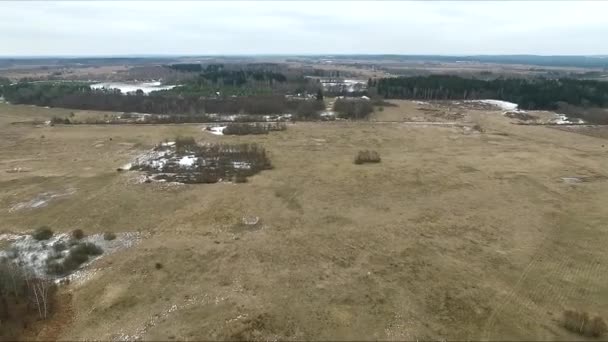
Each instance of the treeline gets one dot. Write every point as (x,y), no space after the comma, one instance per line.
(79,96)
(527,93)
(217,73)
(352,108)
(237,79)
(3,82)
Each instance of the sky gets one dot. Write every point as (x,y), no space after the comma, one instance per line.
(88,28)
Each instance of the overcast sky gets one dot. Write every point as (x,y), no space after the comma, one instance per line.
(290,27)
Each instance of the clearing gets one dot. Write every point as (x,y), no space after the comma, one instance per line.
(471,228)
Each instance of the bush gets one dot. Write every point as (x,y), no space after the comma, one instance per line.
(367,157)
(353,108)
(77,234)
(42,233)
(109,236)
(580,323)
(478,128)
(60,246)
(182,144)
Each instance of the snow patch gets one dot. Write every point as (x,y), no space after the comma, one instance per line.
(241,165)
(41,200)
(504,105)
(33,254)
(217,130)
(146,87)
(561,119)
(187,161)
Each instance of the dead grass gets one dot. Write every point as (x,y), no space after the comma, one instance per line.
(413,249)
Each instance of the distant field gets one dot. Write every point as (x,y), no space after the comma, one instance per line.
(455,234)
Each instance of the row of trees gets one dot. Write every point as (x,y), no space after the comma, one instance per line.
(527,93)
(352,108)
(79,96)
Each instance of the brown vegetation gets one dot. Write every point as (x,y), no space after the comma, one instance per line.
(366,156)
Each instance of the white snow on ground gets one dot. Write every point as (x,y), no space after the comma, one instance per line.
(187,161)
(126,167)
(217,130)
(168,143)
(425,103)
(504,105)
(41,200)
(152,158)
(562,119)
(241,165)
(146,87)
(33,254)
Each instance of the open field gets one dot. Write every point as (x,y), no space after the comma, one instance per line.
(455,234)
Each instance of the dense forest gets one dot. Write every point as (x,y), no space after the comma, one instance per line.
(239,80)
(80,96)
(527,93)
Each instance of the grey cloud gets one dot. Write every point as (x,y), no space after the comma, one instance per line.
(205,27)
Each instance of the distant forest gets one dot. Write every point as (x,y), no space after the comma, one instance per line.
(528,93)
(561,61)
(548,94)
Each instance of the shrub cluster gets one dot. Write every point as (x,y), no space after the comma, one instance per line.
(366,156)
(216,162)
(77,255)
(353,108)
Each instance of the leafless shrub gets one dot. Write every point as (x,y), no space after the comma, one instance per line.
(581,323)
(42,233)
(77,234)
(478,128)
(366,156)
(214,163)
(183,144)
(22,294)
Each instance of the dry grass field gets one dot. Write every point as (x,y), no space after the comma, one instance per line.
(455,234)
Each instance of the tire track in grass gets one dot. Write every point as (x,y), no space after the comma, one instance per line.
(563,290)
(511,294)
